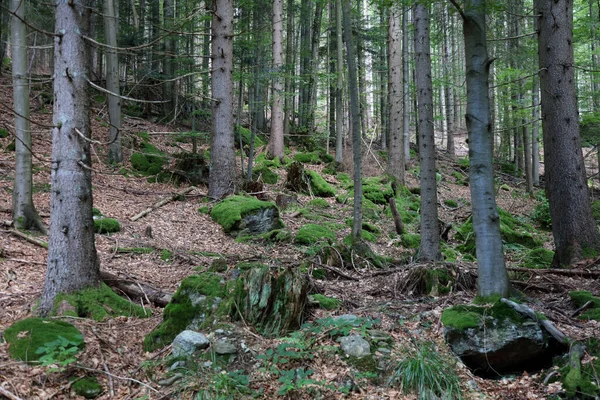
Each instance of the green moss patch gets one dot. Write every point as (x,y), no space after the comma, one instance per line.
(265,174)
(328,303)
(307,158)
(28,335)
(538,258)
(313,233)
(199,301)
(580,297)
(230,212)
(466,316)
(377,190)
(149,160)
(106,225)
(87,387)
(245,136)
(318,203)
(99,303)
(410,240)
(319,186)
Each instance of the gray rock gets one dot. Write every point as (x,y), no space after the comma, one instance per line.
(348,318)
(260,221)
(224,346)
(355,346)
(188,342)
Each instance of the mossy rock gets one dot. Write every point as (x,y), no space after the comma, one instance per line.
(277,236)
(26,336)
(149,160)
(99,303)
(317,203)
(106,225)
(580,297)
(265,174)
(319,186)
(312,233)
(327,303)
(410,240)
(239,215)
(273,302)
(375,189)
(87,387)
(307,158)
(512,231)
(538,258)
(245,135)
(199,302)
(470,316)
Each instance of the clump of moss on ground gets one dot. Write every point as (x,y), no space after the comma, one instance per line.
(106,225)
(99,303)
(265,174)
(580,297)
(313,233)
(229,212)
(198,301)
(317,203)
(245,136)
(327,303)
(466,316)
(410,240)
(318,185)
(87,387)
(307,158)
(538,258)
(28,335)
(149,160)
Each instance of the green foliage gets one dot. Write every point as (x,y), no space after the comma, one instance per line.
(59,353)
(100,303)
(296,379)
(96,212)
(596,210)
(319,186)
(166,255)
(377,190)
(451,203)
(541,214)
(135,250)
(229,212)
(265,174)
(427,373)
(226,386)
(580,297)
(344,179)
(87,387)
(149,160)
(590,129)
(245,135)
(3,133)
(312,233)
(28,335)
(106,225)
(307,158)
(328,303)
(204,210)
(10,147)
(538,258)
(411,240)
(318,203)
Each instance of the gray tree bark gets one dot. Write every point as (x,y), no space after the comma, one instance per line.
(115,153)
(447,84)
(355,118)
(169,92)
(276,139)
(405,86)
(430,235)
(493,279)
(535,132)
(222,155)
(573,227)
(395,96)
(339,110)
(24,214)
(72,260)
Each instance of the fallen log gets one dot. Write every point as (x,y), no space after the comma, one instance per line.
(137,289)
(558,271)
(161,203)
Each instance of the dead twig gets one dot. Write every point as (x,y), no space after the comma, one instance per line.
(161,203)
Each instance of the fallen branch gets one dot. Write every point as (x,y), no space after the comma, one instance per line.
(134,288)
(8,394)
(161,203)
(336,271)
(28,238)
(582,308)
(545,323)
(557,271)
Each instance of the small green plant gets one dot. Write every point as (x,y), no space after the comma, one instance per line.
(541,214)
(425,372)
(59,353)
(227,385)
(296,379)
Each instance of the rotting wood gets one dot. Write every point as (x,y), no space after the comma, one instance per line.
(135,288)
(161,203)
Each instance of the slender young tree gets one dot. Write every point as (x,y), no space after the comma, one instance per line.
(573,227)
(221,180)
(395,99)
(355,118)
(169,89)
(339,87)
(115,154)
(493,279)
(276,139)
(24,214)
(430,235)
(72,260)
(405,86)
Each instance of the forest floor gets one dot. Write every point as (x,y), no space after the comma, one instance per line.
(114,351)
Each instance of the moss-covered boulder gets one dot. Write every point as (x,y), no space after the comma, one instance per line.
(198,303)
(106,225)
(148,160)
(318,185)
(87,387)
(264,174)
(512,230)
(313,233)
(28,336)
(244,136)
(497,339)
(98,303)
(272,301)
(239,215)
(581,297)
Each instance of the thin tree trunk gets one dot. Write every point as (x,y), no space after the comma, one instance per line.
(290,70)
(447,85)
(115,154)
(169,92)
(311,89)
(396,150)
(535,145)
(72,260)
(430,235)
(276,139)
(222,155)
(405,87)
(339,111)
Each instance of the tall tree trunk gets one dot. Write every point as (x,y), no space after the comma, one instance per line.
(289,67)
(573,226)
(405,87)
(594,57)
(535,132)
(169,92)
(360,70)
(493,279)
(306,7)
(222,155)
(276,139)
(526,140)
(72,260)
(448,84)
(430,235)
(3,31)
(205,50)
(396,150)
(355,117)
(115,154)
(383,84)
(24,214)
(339,111)
(311,89)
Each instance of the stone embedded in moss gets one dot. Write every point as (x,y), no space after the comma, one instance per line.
(319,186)
(313,233)
(199,301)
(328,303)
(26,336)
(99,303)
(87,387)
(106,225)
(246,215)
(377,190)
